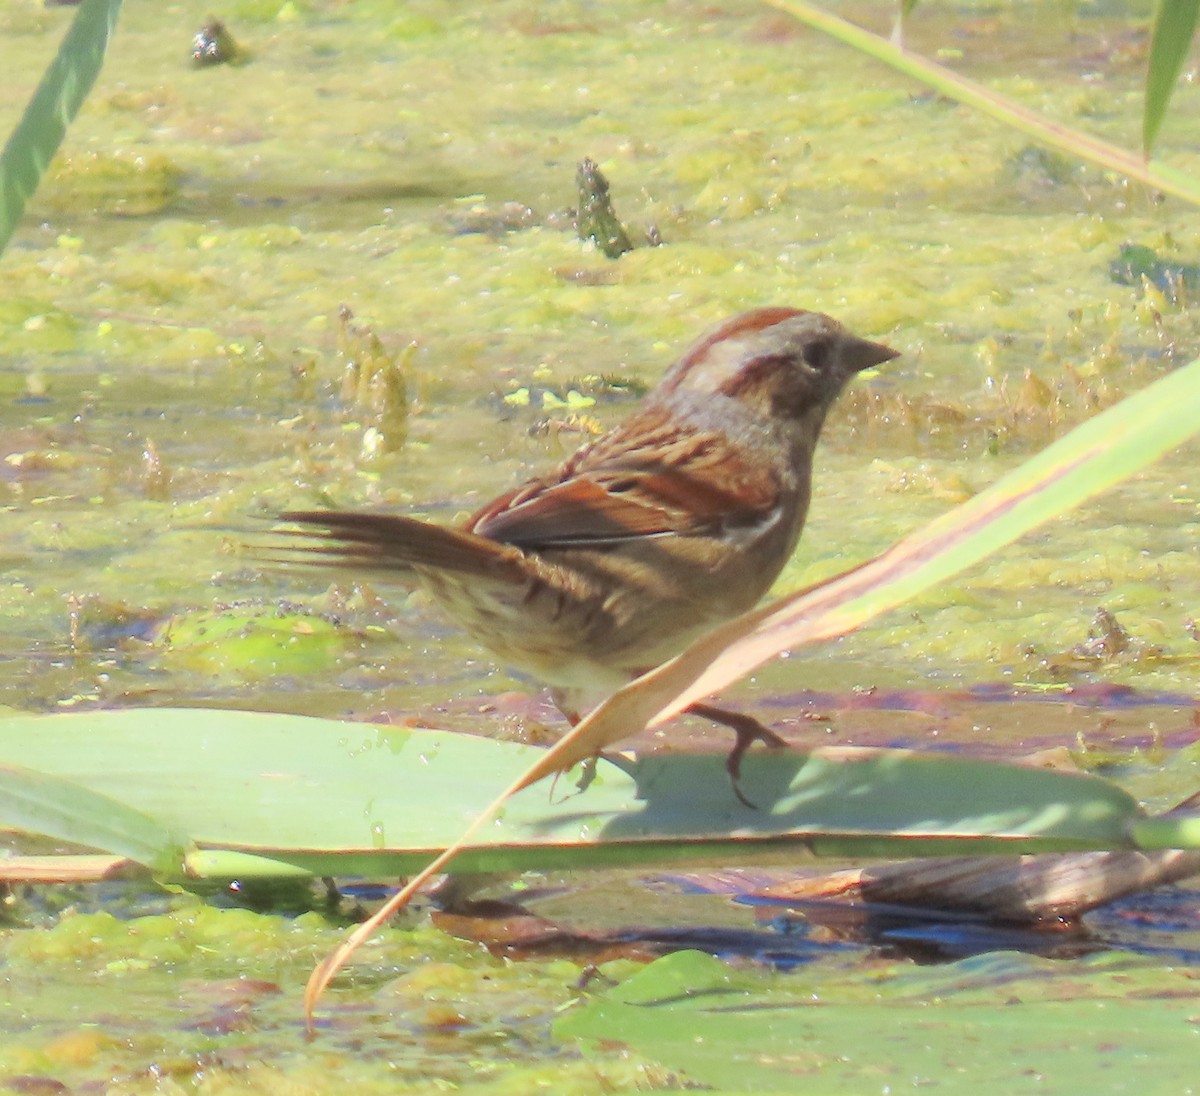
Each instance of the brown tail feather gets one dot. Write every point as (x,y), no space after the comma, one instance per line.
(389,542)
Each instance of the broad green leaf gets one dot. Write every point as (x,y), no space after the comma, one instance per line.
(64,87)
(1174,29)
(271,794)
(1104,450)
(58,807)
(997,1025)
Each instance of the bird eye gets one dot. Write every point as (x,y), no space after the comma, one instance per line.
(816,354)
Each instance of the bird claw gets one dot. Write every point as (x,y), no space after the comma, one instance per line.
(748,731)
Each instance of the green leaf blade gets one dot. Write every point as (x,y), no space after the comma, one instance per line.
(1171,41)
(41,803)
(275,795)
(63,88)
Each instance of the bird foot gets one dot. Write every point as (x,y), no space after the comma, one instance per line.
(748,731)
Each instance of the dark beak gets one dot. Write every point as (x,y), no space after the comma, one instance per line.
(862,354)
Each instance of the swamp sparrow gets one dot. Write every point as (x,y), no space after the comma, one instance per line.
(677,519)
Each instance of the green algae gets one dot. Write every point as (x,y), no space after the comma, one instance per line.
(87,999)
(117,184)
(179,287)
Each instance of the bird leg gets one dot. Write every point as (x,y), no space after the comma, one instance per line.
(748,730)
(566,701)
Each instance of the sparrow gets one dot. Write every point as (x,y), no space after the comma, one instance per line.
(678,518)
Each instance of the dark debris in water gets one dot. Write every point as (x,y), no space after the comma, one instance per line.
(97,624)
(1034,171)
(925,936)
(212,45)
(514,932)
(793,932)
(598,221)
(1136,262)
(1161,921)
(1109,641)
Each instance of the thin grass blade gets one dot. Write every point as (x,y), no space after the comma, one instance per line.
(62,91)
(1170,44)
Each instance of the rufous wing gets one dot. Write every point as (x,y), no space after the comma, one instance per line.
(617,505)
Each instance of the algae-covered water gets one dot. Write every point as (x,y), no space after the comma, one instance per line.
(172,359)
